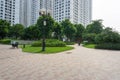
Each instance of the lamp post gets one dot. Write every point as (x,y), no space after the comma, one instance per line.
(44,13)
(43,40)
(41,13)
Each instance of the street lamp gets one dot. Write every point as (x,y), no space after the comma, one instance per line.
(42,13)
(43,41)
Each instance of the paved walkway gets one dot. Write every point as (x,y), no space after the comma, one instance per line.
(78,64)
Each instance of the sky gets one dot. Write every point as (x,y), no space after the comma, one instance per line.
(108,11)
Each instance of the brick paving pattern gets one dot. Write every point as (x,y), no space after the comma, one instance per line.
(78,64)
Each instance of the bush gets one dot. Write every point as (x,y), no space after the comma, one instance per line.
(36,44)
(89,37)
(50,43)
(85,42)
(5,41)
(110,46)
(107,36)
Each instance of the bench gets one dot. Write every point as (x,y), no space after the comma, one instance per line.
(14,44)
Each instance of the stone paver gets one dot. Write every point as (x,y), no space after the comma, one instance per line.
(78,64)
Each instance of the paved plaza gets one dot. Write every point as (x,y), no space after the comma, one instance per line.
(78,64)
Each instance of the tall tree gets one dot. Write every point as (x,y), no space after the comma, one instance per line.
(108,36)
(57,30)
(31,33)
(45,30)
(16,31)
(4,28)
(80,29)
(68,29)
(95,27)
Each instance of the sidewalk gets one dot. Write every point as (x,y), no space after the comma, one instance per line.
(78,64)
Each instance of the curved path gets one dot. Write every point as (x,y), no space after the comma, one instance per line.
(78,64)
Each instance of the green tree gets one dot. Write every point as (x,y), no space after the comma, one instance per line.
(80,29)
(16,31)
(69,29)
(45,30)
(31,33)
(95,27)
(108,36)
(90,37)
(4,28)
(57,30)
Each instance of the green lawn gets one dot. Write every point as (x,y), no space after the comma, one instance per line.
(49,50)
(90,46)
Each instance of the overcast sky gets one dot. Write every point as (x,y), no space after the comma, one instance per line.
(108,11)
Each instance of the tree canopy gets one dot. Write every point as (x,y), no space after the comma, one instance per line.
(4,28)
(68,29)
(31,33)
(108,36)
(45,29)
(57,30)
(95,27)
(16,31)
(80,29)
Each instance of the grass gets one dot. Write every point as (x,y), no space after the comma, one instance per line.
(48,50)
(89,45)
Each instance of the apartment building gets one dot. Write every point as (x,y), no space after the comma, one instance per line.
(85,11)
(46,6)
(26,12)
(9,10)
(77,11)
(29,12)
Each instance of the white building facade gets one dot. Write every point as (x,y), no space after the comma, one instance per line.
(9,10)
(77,11)
(29,12)
(85,11)
(46,6)
(26,12)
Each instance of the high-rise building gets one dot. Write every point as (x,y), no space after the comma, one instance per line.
(46,6)
(9,10)
(77,11)
(29,12)
(85,11)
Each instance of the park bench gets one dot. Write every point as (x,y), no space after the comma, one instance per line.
(14,44)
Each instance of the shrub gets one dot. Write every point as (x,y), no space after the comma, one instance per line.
(70,43)
(36,44)
(85,42)
(5,41)
(50,43)
(107,36)
(110,46)
(89,37)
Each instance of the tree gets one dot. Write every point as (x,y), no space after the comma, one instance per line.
(95,27)
(90,37)
(31,33)
(68,29)
(80,29)
(4,28)
(16,31)
(108,36)
(57,30)
(47,29)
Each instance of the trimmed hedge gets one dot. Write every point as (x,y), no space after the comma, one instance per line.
(36,44)
(110,46)
(70,43)
(5,41)
(49,43)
